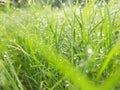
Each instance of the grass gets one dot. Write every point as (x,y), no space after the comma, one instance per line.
(60,49)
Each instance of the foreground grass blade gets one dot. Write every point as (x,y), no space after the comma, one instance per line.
(66,68)
(14,73)
(114,50)
(112,81)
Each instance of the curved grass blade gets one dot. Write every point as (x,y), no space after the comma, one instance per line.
(109,56)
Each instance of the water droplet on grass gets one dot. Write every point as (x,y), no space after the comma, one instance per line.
(90,51)
(4,55)
(101,51)
(86,71)
(67,83)
(98,65)
(78,11)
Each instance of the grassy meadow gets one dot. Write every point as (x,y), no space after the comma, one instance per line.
(71,48)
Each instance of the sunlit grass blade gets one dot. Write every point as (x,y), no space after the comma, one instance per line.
(112,81)
(114,50)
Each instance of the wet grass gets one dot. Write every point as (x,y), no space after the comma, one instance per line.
(67,49)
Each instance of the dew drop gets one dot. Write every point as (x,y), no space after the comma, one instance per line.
(90,51)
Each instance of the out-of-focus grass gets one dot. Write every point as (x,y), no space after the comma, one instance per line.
(67,49)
